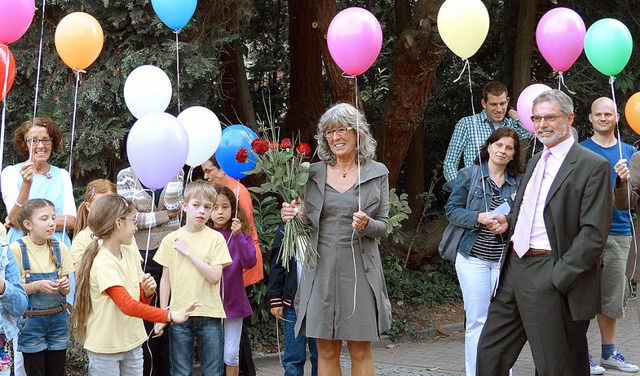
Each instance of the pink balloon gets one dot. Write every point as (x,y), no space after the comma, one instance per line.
(560,37)
(525,104)
(354,38)
(15,18)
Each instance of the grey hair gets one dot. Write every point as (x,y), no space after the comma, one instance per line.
(555,95)
(345,114)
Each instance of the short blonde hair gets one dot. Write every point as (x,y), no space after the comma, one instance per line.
(200,189)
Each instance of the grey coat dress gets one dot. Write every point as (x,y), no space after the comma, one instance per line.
(326,294)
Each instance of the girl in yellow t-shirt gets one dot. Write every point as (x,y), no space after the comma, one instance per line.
(113,293)
(44,266)
(81,233)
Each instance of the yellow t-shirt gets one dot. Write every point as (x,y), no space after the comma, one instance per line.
(82,241)
(109,330)
(187,284)
(41,258)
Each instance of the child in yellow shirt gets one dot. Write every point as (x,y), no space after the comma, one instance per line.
(192,258)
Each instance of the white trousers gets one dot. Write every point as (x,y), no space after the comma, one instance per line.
(477,280)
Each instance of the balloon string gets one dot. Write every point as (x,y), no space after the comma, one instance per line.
(3,96)
(190,174)
(178,67)
(464,67)
(561,82)
(476,126)
(73,119)
(612,79)
(38,68)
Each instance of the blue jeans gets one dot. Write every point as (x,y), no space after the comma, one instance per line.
(208,333)
(295,348)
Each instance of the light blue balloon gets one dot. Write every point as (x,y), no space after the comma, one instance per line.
(233,138)
(174,13)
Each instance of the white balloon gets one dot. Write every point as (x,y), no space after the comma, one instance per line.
(147,90)
(204,132)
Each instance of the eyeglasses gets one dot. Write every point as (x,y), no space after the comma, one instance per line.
(340,132)
(45,141)
(134,219)
(548,118)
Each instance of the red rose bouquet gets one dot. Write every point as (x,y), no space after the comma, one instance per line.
(286,172)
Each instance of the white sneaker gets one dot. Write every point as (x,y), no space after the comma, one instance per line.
(594,368)
(618,362)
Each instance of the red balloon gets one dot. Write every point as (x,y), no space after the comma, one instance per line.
(7,70)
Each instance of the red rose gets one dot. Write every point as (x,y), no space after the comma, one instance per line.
(303,148)
(273,145)
(286,143)
(260,146)
(242,155)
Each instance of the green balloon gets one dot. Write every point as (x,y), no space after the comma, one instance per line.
(608,45)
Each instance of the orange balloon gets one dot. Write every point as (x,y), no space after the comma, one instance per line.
(632,112)
(79,40)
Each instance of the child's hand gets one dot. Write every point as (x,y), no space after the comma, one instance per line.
(158,329)
(148,285)
(179,317)
(277,312)
(46,286)
(63,285)
(236,226)
(181,246)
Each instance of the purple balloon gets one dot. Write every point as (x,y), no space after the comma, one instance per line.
(354,39)
(15,18)
(525,104)
(157,149)
(560,37)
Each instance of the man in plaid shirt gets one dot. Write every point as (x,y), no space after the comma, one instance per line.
(472,131)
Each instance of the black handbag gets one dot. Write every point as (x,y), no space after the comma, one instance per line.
(448,247)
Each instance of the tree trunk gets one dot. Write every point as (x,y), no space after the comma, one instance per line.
(418,53)
(402,10)
(306,102)
(341,87)
(415,180)
(525,35)
(235,97)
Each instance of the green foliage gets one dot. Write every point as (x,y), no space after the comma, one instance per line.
(428,286)
(398,211)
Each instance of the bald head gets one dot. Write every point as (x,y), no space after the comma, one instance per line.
(603,116)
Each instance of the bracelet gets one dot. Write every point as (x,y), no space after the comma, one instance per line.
(19,204)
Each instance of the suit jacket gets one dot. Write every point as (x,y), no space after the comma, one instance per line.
(577,216)
(374,198)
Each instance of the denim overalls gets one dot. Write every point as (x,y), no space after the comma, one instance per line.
(40,331)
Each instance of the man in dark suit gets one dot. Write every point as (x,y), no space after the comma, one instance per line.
(549,287)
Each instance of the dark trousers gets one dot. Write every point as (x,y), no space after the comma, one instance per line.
(156,362)
(527,306)
(579,347)
(246,366)
(45,363)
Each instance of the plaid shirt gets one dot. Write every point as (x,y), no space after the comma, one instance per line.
(469,135)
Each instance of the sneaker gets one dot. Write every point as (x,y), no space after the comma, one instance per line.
(617,361)
(594,368)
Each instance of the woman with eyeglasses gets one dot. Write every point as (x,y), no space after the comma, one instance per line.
(37,178)
(343,296)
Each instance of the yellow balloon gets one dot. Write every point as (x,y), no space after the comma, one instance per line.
(79,39)
(463,26)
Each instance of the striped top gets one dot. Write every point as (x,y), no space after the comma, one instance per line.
(489,246)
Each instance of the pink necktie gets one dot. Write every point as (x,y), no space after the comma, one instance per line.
(522,232)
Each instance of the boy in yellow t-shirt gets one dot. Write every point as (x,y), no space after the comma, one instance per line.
(192,258)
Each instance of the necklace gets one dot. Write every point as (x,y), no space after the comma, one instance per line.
(344,172)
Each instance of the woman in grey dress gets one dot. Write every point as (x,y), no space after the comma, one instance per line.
(343,297)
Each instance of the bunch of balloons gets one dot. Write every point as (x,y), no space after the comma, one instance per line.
(159,144)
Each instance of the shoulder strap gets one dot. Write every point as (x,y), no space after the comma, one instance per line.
(473,183)
(25,256)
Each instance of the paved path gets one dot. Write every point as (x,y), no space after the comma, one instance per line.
(439,355)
